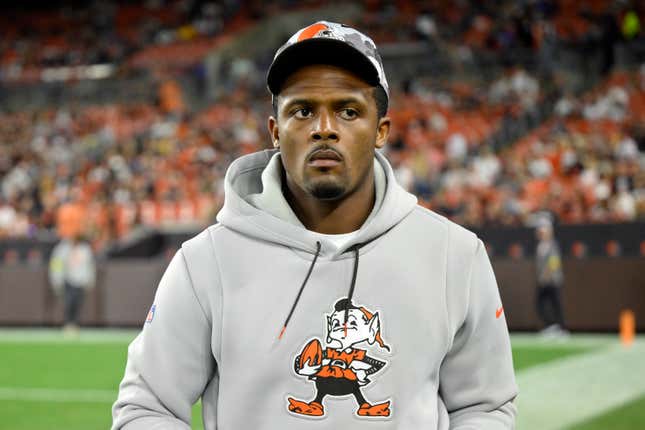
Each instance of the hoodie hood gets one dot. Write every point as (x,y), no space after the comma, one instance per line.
(262,211)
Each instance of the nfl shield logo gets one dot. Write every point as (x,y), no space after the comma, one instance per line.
(151,314)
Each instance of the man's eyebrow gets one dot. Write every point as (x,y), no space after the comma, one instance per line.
(311,101)
(295,102)
(348,101)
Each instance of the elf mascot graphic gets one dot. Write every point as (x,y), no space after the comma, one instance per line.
(341,369)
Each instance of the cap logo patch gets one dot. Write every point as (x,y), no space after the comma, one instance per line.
(312,31)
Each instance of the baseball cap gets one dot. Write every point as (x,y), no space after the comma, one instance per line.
(331,43)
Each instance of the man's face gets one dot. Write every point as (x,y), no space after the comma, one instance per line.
(327,130)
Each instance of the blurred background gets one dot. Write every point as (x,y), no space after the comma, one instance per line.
(118,120)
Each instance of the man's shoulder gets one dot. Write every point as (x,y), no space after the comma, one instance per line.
(203,241)
(204,237)
(202,262)
(430,215)
(455,233)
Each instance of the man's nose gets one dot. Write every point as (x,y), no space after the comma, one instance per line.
(325,128)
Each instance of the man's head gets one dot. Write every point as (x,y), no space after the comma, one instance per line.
(330,99)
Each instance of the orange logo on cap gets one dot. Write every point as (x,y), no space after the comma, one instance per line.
(311,31)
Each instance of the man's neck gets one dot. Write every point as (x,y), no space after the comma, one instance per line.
(332,217)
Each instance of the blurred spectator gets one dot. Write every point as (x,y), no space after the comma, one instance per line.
(550,280)
(631,25)
(71,220)
(72,271)
(8,218)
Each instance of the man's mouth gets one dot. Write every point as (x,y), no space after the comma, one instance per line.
(324,158)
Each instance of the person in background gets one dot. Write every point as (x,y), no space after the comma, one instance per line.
(550,278)
(72,271)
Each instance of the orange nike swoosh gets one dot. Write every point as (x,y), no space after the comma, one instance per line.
(498,312)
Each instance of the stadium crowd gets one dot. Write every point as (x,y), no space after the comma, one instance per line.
(120,32)
(121,166)
(142,164)
(584,165)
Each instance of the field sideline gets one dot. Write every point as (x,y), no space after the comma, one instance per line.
(587,382)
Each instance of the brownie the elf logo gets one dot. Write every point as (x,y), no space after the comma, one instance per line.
(342,369)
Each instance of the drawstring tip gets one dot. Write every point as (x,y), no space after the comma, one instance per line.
(282,332)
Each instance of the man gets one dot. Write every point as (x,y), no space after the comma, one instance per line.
(548,264)
(72,271)
(415,335)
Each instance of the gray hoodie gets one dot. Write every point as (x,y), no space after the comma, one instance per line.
(401,327)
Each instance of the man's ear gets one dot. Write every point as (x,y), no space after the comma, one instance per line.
(382,131)
(329,329)
(273,131)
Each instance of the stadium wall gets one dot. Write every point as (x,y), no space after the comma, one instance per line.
(596,290)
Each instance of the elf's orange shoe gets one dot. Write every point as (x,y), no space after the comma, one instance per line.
(379,410)
(313,409)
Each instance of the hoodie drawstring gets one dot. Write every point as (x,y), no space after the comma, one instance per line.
(351,287)
(354,248)
(302,287)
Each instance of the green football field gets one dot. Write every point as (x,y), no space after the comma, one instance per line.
(583,383)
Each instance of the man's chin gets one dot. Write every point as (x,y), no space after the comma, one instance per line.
(327,191)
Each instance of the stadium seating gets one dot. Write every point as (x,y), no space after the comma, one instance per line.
(161,163)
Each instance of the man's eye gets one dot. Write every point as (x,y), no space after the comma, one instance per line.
(348,113)
(303,113)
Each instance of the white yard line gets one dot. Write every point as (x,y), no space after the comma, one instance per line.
(57,395)
(51,335)
(577,340)
(558,394)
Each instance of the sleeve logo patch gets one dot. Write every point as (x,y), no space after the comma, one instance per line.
(151,314)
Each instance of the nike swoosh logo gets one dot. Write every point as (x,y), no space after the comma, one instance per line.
(498,312)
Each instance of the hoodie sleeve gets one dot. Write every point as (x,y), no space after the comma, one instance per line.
(170,362)
(477,381)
